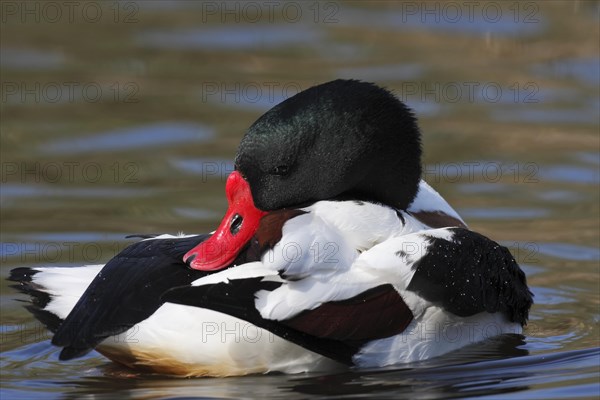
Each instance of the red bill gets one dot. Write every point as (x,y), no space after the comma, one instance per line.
(237,227)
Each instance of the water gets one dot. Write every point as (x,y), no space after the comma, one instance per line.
(129,124)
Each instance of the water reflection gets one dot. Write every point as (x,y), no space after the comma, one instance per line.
(15,191)
(448,376)
(588,157)
(569,251)
(502,213)
(585,70)
(583,115)
(570,174)
(456,18)
(484,187)
(489,376)
(393,72)
(562,196)
(223,39)
(171,51)
(30,59)
(551,296)
(195,213)
(158,134)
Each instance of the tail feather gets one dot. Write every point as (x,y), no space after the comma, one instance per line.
(39,296)
(52,291)
(83,307)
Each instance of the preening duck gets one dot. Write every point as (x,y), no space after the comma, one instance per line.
(332,253)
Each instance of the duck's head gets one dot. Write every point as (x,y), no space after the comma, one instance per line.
(342,139)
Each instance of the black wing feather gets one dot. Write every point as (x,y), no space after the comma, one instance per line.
(126,291)
(470,274)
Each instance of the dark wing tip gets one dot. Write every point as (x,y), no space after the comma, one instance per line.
(189,260)
(142,236)
(69,353)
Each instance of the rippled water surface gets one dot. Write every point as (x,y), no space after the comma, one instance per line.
(127,121)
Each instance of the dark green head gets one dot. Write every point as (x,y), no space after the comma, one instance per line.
(343,138)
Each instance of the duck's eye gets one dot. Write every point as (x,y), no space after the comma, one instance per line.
(236,224)
(280,170)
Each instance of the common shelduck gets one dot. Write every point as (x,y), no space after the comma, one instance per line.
(333,253)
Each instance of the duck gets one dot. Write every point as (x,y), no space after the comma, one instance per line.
(333,254)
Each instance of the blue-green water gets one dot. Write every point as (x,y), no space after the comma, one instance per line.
(126,121)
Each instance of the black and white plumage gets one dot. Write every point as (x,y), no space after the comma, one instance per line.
(407,283)
(345,277)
